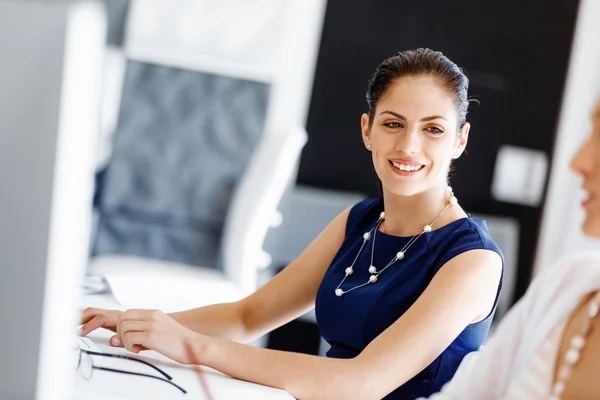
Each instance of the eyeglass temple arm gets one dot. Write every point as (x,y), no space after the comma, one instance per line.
(95,353)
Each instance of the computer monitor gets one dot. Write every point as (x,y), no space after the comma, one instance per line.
(50,69)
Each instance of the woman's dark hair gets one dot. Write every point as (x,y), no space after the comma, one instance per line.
(420,62)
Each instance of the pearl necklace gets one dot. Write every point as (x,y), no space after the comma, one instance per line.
(577,344)
(339,292)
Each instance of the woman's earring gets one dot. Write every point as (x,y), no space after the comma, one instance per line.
(369,146)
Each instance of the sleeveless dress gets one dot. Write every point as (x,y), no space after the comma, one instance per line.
(349,323)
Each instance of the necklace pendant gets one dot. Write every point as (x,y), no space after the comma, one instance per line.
(572,356)
(593,309)
(578,342)
(373,279)
(349,271)
(339,292)
(372,269)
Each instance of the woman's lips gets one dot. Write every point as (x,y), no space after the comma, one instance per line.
(586,202)
(413,168)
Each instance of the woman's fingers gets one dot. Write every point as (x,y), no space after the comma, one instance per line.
(131,326)
(126,326)
(134,321)
(88,314)
(94,318)
(115,341)
(135,341)
(96,322)
(127,317)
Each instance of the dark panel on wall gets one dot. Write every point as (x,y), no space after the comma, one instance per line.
(515,53)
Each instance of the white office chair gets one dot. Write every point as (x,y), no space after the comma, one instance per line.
(139,282)
(265,48)
(254,206)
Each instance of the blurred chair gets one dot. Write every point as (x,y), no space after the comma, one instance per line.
(182,143)
(253,66)
(252,212)
(254,207)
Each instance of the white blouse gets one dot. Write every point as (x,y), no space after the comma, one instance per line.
(503,367)
(536,379)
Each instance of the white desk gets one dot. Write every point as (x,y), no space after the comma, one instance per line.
(117,386)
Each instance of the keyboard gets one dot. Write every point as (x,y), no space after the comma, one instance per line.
(86,343)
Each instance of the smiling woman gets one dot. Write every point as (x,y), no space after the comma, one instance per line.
(403,285)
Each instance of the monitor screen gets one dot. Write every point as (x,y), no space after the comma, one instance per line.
(50,81)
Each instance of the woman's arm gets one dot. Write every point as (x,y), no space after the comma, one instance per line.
(463,291)
(288,295)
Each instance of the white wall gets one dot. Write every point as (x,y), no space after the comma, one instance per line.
(560,231)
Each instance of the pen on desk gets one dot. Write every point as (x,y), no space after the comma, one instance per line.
(198,370)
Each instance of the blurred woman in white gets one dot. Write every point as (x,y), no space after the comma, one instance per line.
(548,346)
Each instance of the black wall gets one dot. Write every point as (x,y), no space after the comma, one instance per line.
(515,53)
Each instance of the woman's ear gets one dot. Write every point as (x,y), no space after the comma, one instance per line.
(463,138)
(366,130)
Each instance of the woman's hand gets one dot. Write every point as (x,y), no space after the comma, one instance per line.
(94,318)
(154,330)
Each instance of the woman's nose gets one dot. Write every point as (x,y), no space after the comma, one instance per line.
(582,162)
(409,142)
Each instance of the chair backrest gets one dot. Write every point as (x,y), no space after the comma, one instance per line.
(205,83)
(182,144)
(253,209)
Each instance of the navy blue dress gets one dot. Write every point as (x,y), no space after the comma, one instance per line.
(349,323)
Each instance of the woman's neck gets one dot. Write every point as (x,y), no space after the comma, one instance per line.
(407,215)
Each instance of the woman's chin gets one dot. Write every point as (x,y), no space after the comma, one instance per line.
(591,227)
(404,189)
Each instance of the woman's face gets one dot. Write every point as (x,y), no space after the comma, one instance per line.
(587,164)
(414,135)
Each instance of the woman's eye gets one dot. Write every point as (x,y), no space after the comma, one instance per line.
(434,130)
(393,125)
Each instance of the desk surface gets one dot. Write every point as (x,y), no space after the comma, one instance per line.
(116,386)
